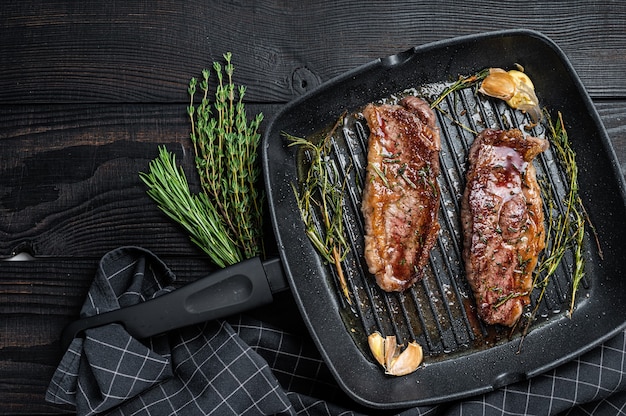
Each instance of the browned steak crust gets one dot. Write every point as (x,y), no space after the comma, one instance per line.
(401,195)
(502,219)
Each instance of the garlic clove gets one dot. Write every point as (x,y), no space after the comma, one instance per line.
(377,346)
(514,87)
(521,78)
(390,350)
(498,84)
(525,90)
(407,361)
(525,98)
(391,357)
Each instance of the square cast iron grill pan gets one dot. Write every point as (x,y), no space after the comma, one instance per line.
(462,356)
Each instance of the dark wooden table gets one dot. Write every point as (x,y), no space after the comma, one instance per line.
(89,89)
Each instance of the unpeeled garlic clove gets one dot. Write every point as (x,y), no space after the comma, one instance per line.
(390,350)
(407,361)
(498,84)
(377,346)
(514,87)
(389,355)
(525,98)
(524,90)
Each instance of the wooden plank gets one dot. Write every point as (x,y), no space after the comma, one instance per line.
(613,114)
(70,177)
(56,287)
(146,52)
(69,189)
(39,298)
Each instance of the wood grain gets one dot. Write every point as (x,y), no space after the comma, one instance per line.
(146,52)
(71,183)
(89,90)
(613,115)
(37,299)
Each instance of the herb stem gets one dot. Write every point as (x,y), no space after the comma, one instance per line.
(225,145)
(567,229)
(460,84)
(320,197)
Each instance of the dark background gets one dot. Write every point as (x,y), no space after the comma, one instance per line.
(89,89)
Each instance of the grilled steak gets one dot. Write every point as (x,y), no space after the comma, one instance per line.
(502,219)
(401,195)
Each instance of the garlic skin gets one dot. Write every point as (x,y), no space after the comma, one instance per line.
(390,352)
(514,87)
(377,347)
(392,358)
(407,361)
(498,84)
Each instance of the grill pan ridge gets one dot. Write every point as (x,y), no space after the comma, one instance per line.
(463,357)
(438,311)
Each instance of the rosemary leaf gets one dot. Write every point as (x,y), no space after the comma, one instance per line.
(168,186)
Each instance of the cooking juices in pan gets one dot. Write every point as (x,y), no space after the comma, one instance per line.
(438,311)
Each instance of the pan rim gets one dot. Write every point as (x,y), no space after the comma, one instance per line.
(365,396)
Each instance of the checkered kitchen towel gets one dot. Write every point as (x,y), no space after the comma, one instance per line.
(199,370)
(593,384)
(267,364)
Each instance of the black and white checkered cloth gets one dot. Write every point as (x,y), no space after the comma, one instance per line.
(264,364)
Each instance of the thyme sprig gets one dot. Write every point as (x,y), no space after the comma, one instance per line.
(226,152)
(569,227)
(461,83)
(566,229)
(225,218)
(322,192)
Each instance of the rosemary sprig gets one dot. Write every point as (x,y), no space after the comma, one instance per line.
(322,191)
(225,218)
(460,84)
(168,187)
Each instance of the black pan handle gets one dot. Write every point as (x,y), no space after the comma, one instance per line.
(231,290)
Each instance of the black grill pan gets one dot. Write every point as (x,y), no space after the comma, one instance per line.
(462,356)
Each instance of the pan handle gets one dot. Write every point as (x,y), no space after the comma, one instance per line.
(228,291)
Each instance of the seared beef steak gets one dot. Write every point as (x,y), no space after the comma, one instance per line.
(502,218)
(401,195)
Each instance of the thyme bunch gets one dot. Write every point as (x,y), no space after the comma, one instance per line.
(226,151)
(225,218)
